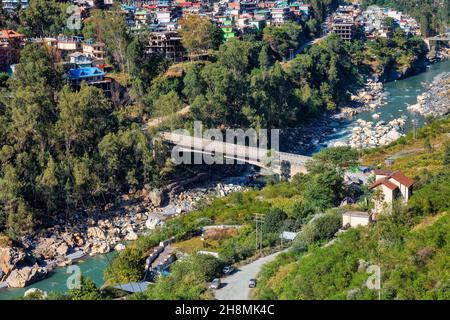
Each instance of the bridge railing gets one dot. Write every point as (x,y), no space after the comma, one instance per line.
(251,153)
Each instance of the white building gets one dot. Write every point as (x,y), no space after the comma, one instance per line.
(355,218)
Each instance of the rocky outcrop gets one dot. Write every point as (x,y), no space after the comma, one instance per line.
(10,257)
(119,247)
(436,101)
(368,98)
(131,236)
(156,197)
(100,248)
(25,276)
(96,232)
(370,135)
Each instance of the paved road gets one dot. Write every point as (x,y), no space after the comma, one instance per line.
(235,286)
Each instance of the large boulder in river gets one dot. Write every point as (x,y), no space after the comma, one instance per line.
(156,197)
(119,247)
(100,248)
(96,232)
(131,236)
(393,135)
(62,249)
(25,276)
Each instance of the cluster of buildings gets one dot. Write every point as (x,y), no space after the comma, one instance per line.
(349,22)
(85,60)
(163,15)
(234,17)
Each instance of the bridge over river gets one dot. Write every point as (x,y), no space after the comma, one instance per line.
(212,151)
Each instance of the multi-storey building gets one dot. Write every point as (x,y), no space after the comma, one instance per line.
(344,29)
(11,42)
(168,44)
(92,76)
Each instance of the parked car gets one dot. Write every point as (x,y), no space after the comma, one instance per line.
(227,269)
(215,284)
(252,283)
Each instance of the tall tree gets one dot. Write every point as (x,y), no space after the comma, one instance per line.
(199,34)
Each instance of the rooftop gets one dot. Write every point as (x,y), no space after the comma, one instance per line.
(396,175)
(85,73)
(10,34)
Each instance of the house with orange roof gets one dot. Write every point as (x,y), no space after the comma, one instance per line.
(392,185)
(11,42)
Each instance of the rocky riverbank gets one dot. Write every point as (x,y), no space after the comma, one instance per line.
(92,232)
(370,135)
(435,102)
(368,98)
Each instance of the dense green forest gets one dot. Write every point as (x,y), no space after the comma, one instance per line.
(61,150)
(433,16)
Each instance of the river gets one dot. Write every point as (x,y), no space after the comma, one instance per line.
(400,94)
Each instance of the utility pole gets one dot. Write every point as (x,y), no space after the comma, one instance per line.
(414,123)
(259,220)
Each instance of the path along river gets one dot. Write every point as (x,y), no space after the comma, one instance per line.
(400,94)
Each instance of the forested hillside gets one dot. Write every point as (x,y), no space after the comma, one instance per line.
(61,150)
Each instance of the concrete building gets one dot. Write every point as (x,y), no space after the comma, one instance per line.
(279,15)
(11,42)
(94,50)
(392,185)
(344,29)
(355,218)
(79,60)
(167,44)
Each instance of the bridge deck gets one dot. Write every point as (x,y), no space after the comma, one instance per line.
(238,151)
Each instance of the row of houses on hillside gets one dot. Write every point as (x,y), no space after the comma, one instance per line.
(350,21)
(84,60)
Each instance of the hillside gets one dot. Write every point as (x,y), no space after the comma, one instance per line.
(410,246)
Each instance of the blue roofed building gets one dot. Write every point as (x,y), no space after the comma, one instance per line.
(92,76)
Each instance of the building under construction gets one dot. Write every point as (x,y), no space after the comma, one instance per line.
(168,44)
(344,29)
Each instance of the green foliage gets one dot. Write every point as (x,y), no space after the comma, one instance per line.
(334,158)
(409,246)
(285,38)
(321,227)
(199,34)
(187,279)
(87,291)
(324,190)
(61,149)
(447,154)
(44,18)
(273,221)
(434,197)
